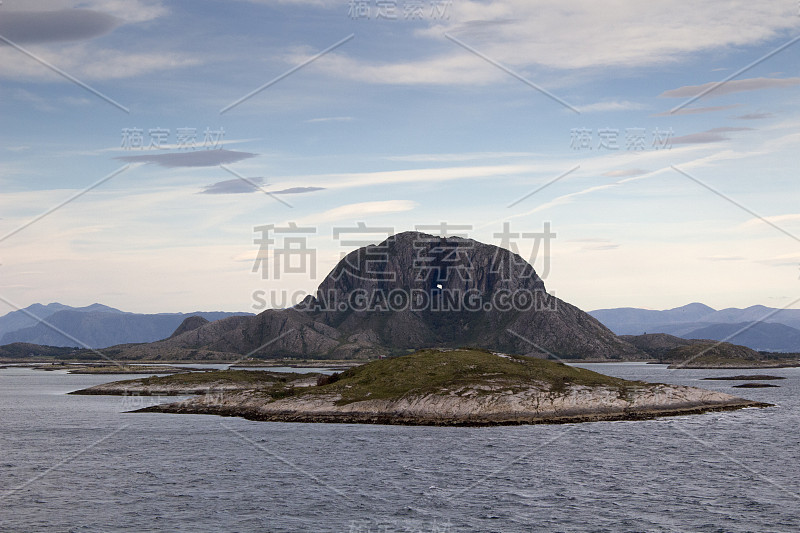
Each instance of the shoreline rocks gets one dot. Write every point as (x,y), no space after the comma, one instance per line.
(468,408)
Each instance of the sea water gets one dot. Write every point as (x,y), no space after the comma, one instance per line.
(82,464)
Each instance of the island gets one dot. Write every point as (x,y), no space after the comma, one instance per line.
(745,377)
(111,368)
(442,387)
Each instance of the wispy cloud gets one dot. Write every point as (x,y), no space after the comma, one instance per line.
(234,186)
(723,258)
(754,116)
(89,62)
(792,260)
(626,173)
(600,247)
(695,110)
(197,158)
(25,27)
(648,34)
(468,156)
(595,244)
(329,119)
(424,175)
(733,86)
(298,190)
(776,219)
(708,136)
(360,210)
(616,105)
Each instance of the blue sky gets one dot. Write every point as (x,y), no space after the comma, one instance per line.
(418,117)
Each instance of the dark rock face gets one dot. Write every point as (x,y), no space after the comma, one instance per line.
(190,324)
(416,290)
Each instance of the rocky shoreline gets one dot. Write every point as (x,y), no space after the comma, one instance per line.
(392,419)
(533,406)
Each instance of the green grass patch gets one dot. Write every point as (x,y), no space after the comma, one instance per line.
(434,371)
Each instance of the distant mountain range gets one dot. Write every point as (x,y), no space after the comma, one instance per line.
(757,327)
(95,326)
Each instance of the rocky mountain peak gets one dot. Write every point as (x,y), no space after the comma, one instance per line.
(417,290)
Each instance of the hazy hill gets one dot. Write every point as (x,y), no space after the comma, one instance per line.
(777,330)
(97,326)
(20,319)
(634,321)
(766,336)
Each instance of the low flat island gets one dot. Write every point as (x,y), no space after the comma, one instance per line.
(464,387)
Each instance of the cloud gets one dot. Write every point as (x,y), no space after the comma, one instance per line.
(468,156)
(776,219)
(623,105)
(125,11)
(754,116)
(198,158)
(426,175)
(700,138)
(315,3)
(709,136)
(725,129)
(695,110)
(330,119)
(88,63)
(440,70)
(239,186)
(600,247)
(570,197)
(631,34)
(730,87)
(360,210)
(130,11)
(53,26)
(723,258)
(48,104)
(576,35)
(234,186)
(595,244)
(298,190)
(626,173)
(792,260)
(37,24)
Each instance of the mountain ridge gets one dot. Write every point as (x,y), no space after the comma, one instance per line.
(774,329)
(93,326)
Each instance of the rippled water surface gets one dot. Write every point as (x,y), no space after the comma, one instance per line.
(79,463)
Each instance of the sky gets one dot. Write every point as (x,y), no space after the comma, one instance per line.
(638,154)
